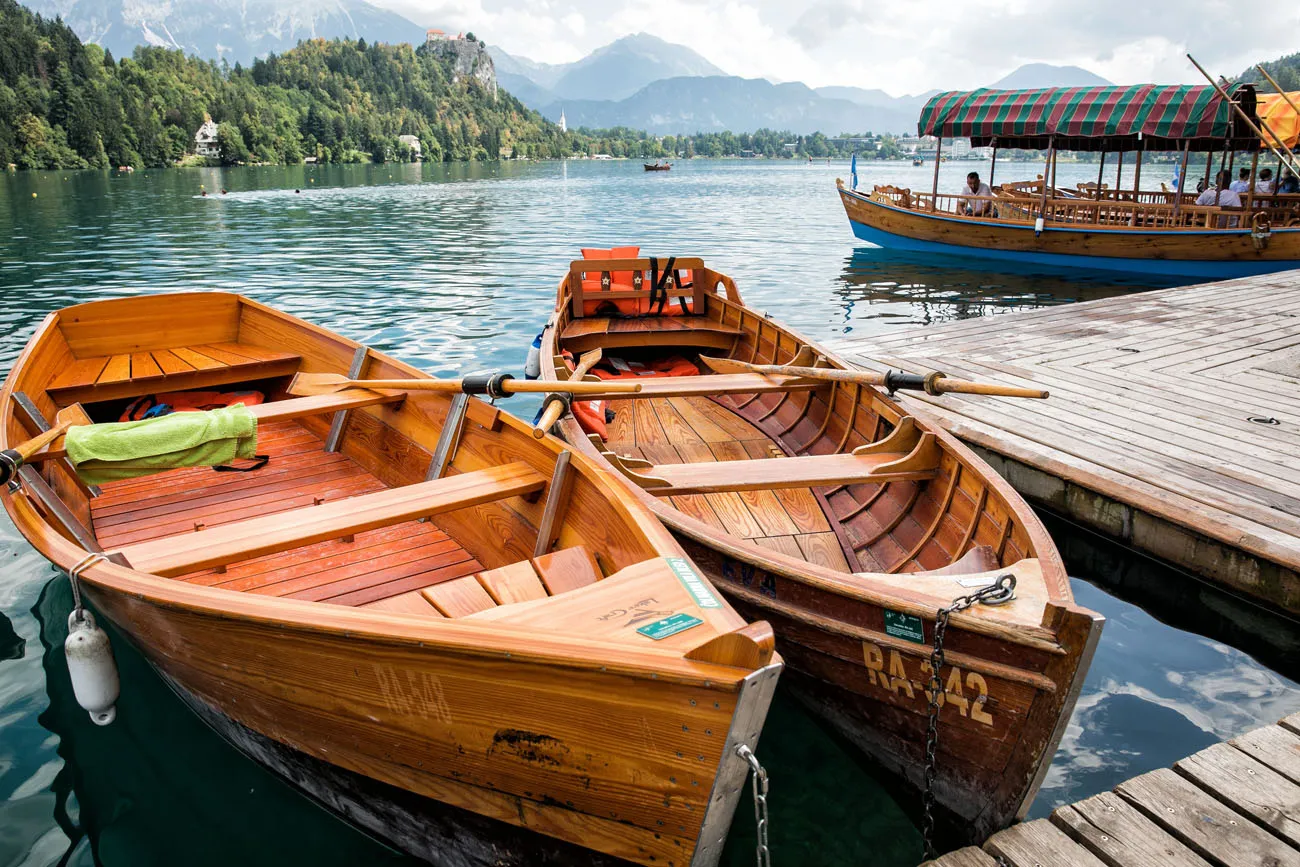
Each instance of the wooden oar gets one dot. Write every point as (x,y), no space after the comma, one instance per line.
(13,458)
(555,407)
(935,383)
(493,385)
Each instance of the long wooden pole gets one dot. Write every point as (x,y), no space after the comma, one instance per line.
(935,383)
(1242,114)
(1101,168)
(1280,92)
(993,169)
(555,408)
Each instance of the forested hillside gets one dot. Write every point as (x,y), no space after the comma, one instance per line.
(68,105)
(1285,70)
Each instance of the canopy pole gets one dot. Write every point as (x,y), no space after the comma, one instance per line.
(1119,174)
(934,188)
(993,168)
(1051,150)
(1182,180)
(1056,155)
(1250,193)
(1137,173)
(1101,168)
(1223,163)
(1255,127)
(1209,166)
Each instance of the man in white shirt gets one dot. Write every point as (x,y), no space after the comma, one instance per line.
(1242,183)
(1223,196)
(974,187)
(1264,186)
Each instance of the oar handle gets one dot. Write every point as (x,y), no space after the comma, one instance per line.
(557,404)
(12,459)
(960,386)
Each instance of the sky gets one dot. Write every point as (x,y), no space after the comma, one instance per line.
(903,46)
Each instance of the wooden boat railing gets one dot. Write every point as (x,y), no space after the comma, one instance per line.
(1011,208)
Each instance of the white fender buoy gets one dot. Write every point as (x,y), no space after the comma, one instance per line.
(90,663)
(1038,227)
(533,366)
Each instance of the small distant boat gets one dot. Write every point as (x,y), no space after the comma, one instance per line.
(917,161)
(472,642)
(1035,222)
(657,167)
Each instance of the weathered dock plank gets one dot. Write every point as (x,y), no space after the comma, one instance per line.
(1119,835)
(1148,434)
(1234,804)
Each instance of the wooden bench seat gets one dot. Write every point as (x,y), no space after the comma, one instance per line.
(591,332)
(776,473)
(242,540)
(112,377)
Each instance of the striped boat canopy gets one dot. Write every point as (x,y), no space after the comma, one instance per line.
(1094,118)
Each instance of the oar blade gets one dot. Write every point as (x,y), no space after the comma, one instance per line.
(725,365)
(306,384)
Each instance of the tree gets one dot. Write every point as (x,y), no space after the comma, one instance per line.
(231,143)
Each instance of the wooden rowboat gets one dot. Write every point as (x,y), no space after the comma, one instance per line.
(825,509)
(472,642)
(657,167)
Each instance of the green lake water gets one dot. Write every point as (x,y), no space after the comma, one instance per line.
(454,270)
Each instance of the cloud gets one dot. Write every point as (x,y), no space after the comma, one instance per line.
(906,46)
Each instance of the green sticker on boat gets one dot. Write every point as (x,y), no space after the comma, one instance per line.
(669,626)
(693,582)
(906,626)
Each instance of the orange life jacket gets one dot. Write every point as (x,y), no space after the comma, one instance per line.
(153,405)
(620,281)
(673,365)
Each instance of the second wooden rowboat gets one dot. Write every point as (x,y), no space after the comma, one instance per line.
(472,642)
(827,510)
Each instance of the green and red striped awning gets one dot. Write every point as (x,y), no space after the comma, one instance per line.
(1094,118)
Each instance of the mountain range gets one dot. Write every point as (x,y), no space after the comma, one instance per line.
(638,81)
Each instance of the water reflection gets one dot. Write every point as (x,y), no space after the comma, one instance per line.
(909,289)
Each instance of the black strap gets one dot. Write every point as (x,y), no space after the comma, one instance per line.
(654,282)
(661,284)
(259,461)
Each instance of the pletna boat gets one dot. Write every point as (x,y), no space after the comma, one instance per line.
(657,167)
(469,641)
(1095,225)
(827,510)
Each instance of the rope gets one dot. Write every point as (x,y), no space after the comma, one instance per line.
(78,610)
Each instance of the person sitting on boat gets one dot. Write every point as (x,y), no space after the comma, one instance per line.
(1242,183)
(1289,183)
(1264,186)
(1221,195)
(976,207)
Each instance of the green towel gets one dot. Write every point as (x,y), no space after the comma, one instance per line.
(124,450)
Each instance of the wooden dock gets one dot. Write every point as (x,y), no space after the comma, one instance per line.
(1173,425)
(1236,804)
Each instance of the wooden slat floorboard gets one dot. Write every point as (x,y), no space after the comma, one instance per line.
(375,565)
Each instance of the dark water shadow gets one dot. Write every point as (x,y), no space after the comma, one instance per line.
(1177,598)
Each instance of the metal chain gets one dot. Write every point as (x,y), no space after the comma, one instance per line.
(1001,591)
(759,779)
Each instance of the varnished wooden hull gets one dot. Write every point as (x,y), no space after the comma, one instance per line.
(1217,254)
(1013,674)
(586,733)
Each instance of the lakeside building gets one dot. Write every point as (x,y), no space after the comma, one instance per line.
(205,140)
(413,142)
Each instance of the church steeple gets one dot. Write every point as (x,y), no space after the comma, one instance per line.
(564,127)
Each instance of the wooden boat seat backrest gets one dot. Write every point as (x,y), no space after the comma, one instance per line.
(243,540)
(634,283)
